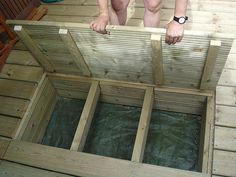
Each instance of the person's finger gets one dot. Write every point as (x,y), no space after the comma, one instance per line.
(91,24)
(171,40)
(167,39)
(175,39)
(179,39)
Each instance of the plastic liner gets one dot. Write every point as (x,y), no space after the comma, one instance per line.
(63,123)
(113,131)
(173,140)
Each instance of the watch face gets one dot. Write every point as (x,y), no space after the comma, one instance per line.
(181,20)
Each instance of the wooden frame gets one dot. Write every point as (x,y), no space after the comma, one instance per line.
(96,87)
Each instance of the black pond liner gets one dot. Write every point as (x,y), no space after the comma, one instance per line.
(173,138)
(63,123)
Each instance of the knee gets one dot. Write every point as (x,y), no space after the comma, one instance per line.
(120,6)
(153,5)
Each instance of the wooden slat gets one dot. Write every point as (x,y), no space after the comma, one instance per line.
(143,127)
(72,47)
(210,63)
(3,147)
(224,163)
(30,108)
(86,118)
(226,95)
(41,113)
(208,136)
(157,60)
(17,89)
(8,126)
(225,138)
(30,44)
(83,164)
(13,106)
(22,58)
(225,116)
(227,78)
(23,73)
(9,169)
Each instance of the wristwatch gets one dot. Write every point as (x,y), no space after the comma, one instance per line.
(180,20)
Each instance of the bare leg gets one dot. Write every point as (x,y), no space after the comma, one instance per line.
(152,13)
(118,12)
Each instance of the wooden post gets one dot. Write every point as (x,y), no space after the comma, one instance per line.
(208,138)
(157,60)
(86,117)
(143,127)
(210,63)
(72,47)
(34,49)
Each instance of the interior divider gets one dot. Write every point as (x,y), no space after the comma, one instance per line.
(86,117)
(143,127)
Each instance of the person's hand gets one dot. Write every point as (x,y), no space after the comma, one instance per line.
(174,32)
(99,25)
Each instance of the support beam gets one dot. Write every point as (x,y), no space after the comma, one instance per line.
(74,50)
(157,60)
(34,49)
(210,63)
(86,117)
(207,156)
(143,127)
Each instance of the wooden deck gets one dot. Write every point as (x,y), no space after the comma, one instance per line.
(210,15)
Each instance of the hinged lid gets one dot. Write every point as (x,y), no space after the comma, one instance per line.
(127,53)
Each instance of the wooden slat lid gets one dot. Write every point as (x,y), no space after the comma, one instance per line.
(128,53)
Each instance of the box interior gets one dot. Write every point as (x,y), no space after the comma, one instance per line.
(175,124)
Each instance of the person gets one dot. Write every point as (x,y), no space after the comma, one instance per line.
(117,15)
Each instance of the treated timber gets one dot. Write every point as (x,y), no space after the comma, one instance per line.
(225,138)
(224,163)
(143,126)
(17,89)
(225,116)
(210,63)
(157,60)
(13,106)
(72,47)
(104,60)
(32,46)
(86,117)
(10,169)
(41,113)
(83,164)
(21,73)
(3,147)
(8,126)
(208,136)
(126,93)
(30,108)
(21,57)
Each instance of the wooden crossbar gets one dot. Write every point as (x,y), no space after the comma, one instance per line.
(34,49)
(143,127)
(157,60)
(210,63)
(86,118)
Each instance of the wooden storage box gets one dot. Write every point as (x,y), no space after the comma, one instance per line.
(128,66)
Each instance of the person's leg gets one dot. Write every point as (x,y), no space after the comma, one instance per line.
(152,13)
(118,12)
